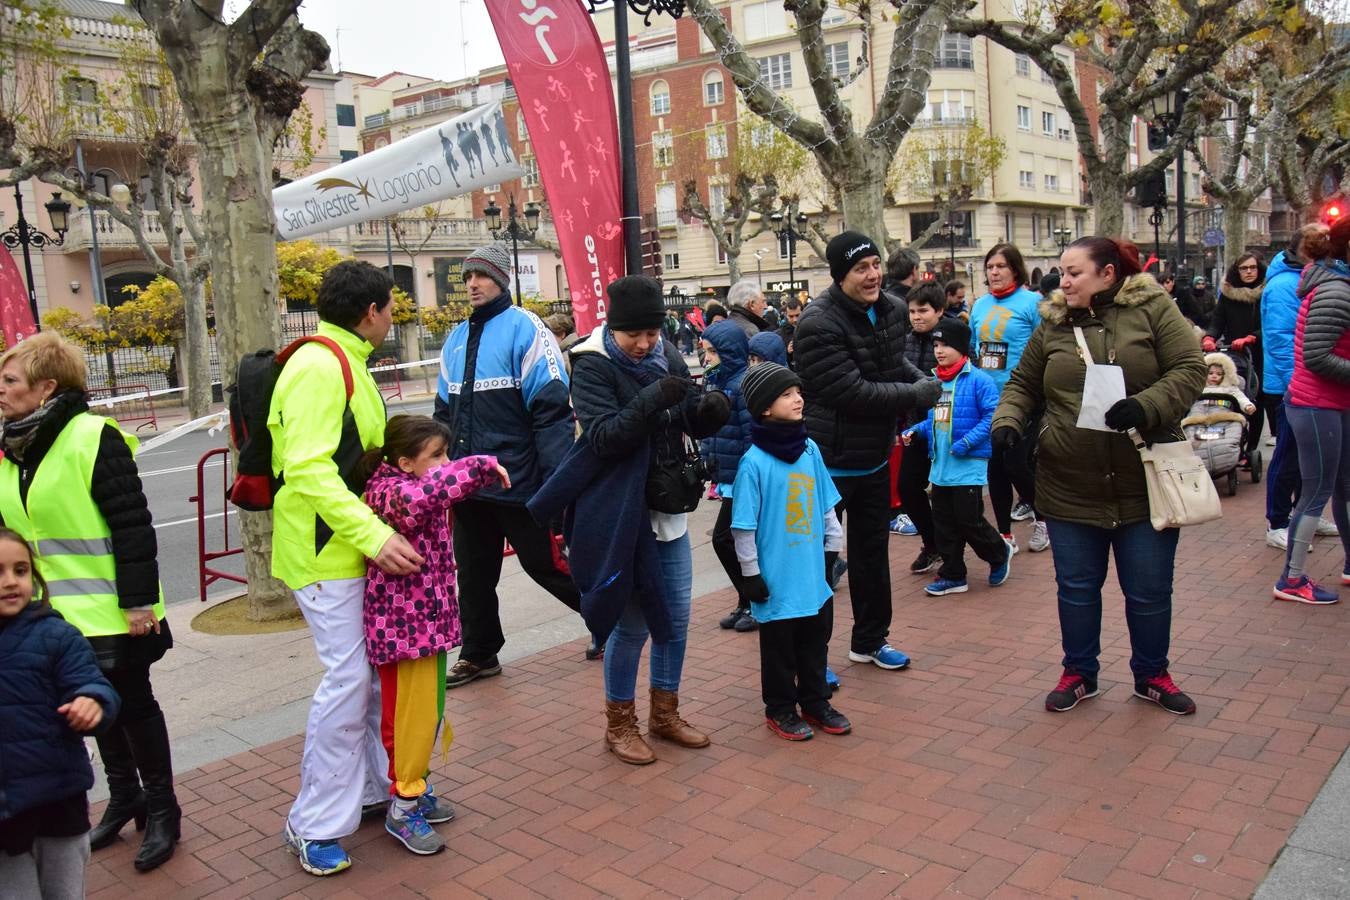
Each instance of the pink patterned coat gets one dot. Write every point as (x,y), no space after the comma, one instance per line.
(411,616)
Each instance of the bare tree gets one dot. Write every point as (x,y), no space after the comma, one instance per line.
(854,163)
(949,165)
(239,82)
(1148,50)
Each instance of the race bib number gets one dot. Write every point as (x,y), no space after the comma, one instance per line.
(994,355)
(942,412)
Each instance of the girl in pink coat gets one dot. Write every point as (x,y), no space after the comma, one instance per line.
(412,620)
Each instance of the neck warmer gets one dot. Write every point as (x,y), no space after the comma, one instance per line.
(947,373)
(1006,292)
(18,434)
(785,440)
(648,370)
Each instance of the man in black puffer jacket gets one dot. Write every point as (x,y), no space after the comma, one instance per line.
(850,356)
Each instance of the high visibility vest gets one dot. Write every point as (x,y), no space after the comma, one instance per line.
(70,536)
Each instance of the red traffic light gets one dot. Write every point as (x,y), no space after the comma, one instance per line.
(1333,210)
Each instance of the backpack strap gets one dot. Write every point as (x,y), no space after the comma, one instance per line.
(332,345)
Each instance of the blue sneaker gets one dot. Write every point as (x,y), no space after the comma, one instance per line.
(412,831)
(317,857)
(943,586)
(1304,590)
(885,657)
(831,680)
(434,809)
(903,524)
(999,574)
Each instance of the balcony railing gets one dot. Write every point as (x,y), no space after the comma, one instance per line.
(112,234)
(437,232)
(954,62)
(376,120)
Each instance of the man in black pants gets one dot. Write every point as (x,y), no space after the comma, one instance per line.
(502,391)
(850,357)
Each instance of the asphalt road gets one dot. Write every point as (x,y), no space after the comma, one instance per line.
(169,477)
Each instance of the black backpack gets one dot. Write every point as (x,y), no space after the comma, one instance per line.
(255,487)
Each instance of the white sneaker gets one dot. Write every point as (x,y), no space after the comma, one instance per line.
(1040,537)
(1270,441)
(1327,528)
(1277,538)
(1012,544)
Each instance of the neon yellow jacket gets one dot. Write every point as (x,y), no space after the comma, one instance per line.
(306,424)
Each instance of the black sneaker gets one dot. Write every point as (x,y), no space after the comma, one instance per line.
(926,561)
(789,727)
(731,618)
(833,577)
(1072,689)
(829,720)
(595,650)
(1160,689)
(462,672)
(746,622)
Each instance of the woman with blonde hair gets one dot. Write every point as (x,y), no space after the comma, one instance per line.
(69,485)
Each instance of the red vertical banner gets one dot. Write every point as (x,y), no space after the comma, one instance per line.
(16,316)
(557,66)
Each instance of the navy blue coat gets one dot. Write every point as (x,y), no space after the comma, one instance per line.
(44,663)
(725,448)
(769,346)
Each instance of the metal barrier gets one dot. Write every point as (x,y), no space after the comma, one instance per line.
(388,377)
(135,404)
(206,575)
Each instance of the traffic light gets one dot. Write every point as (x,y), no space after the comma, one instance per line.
(1152,191)
(1333,210)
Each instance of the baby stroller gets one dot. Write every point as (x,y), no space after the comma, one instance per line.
(1216,425)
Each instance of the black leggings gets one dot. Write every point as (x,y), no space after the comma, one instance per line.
(1010,469)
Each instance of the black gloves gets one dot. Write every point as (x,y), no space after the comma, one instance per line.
(711,412)
(1126,414)
(667,392)
(926,393)
(1004,438)
(754,589)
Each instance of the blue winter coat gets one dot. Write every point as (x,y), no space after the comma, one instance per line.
(769,346)
(974,399)
(725,448)
(1279,316)
(44,663)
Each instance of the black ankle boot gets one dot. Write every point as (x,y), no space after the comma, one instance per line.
(150,744)
(127,801)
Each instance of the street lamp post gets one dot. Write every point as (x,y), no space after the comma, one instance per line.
(1062,236)
(783,226)
(951,229)
(1155,219)
(1168,120)
(513,228)
(23,236)
(118,192)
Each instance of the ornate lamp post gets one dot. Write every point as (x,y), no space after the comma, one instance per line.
(513,228)
(623,72)
(120,194)
(1062,236)
(951,230)
(782,226)
(1167,110)
(23,236)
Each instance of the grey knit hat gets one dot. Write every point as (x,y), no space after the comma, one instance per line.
(493,261)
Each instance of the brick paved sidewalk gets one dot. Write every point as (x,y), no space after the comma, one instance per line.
(955,779)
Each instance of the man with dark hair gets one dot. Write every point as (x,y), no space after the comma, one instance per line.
(792,311)
(902,270)
(502,391)
(956,300)
(322,535)
(850,356)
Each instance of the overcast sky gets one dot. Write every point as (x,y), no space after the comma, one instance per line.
(420,37)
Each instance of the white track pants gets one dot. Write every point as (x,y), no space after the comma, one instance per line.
(344,763)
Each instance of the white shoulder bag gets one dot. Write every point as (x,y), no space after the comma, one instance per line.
(1180,489)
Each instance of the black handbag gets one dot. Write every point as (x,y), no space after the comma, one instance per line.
(675,482)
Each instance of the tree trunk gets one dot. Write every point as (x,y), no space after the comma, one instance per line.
(734,267)
(197,347)
(1235,226)
(1108,201)
(861,185)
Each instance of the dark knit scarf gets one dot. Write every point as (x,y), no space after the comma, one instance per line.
(785,440)
(648,370)
(18,434)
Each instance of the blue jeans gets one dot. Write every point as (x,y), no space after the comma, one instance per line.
(623,650)
(1282,472)
(1323,438)
(1144,562)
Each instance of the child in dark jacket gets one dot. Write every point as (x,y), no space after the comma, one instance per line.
(51,695)
(927,306)
(725,349)
(412,620)
(768,346)
(956,432)
(787,538)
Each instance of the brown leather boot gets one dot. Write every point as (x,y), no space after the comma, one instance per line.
(622,736)
(665,722)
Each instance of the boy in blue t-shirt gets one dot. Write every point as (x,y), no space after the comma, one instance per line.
(787,538)
(957,433)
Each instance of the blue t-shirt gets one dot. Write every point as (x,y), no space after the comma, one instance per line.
(785,504)
(1001,329)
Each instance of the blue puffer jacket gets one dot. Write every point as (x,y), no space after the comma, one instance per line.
(725,449)
(960,453)
(1279,316)
(769,346)
(45,663)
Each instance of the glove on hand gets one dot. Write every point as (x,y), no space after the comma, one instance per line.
(926,393)
(712,411)
(754,589)
(1004,438)
(1126,414)
(1208,344)
(670,390)
(1243,343)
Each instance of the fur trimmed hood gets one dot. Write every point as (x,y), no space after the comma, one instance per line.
(1135,291)
(1241,294)
(1230,376)
(1213,417)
